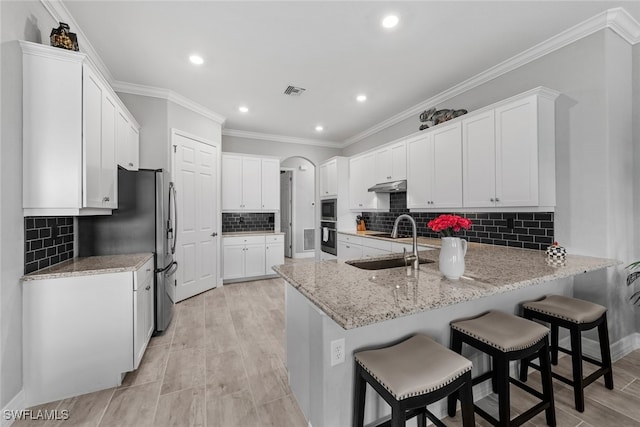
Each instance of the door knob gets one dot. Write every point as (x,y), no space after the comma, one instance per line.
(214,234)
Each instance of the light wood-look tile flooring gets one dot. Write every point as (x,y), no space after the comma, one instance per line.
(221,363)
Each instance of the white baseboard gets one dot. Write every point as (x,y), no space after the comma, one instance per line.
(16,404)
(619,349)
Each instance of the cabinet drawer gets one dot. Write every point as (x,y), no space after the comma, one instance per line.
(276,238)
(144,274)
(356,240)
(377,244)
(243,240)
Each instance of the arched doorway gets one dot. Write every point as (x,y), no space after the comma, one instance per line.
(298,206)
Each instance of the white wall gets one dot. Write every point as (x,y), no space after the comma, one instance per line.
(304,201)
(234,144)
(29,21)
(595,176)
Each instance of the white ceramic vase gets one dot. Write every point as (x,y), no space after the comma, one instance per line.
(451,258)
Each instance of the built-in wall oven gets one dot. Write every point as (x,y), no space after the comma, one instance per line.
(329,210)
(329,237)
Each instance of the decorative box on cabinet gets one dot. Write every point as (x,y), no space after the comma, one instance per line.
(81,333)
(70,135)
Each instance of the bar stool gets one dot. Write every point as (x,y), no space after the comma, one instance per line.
(575,315)
(411,375)
(505,337)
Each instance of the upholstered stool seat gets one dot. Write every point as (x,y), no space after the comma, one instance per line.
(576,315)
(506,337)
(409,376)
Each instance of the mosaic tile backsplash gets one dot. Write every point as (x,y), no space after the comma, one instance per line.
(529,230)
(47,241)
(237,222)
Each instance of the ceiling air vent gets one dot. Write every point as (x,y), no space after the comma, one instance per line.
(294,91)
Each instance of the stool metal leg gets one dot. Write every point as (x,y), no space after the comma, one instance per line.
(554,344)
(547,383)
(605,351)
(456,345)
(576,362)
(501,375)
(466,402)
(359,393)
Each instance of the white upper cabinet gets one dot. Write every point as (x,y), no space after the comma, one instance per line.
(509,154)
(361,178)
(391,163)
(250,184)
(127,143)
(270,184)
(329,178)
(70,133)
(435,169)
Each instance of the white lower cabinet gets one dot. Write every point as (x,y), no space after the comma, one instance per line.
(251,255)
(356,247)
(82,333)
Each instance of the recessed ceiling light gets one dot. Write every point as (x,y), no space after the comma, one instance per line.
(390,21)
(243,109)
(319,128)
(196,59)
(361,98)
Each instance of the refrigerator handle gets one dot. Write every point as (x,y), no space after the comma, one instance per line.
(172,229)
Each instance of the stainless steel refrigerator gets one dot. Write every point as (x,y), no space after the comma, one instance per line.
(145,221)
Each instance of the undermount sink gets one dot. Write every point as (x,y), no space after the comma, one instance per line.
(388,236)
(381,264)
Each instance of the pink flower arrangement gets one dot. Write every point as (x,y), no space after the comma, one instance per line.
(447,225)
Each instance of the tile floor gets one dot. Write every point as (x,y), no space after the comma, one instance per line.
(221,364)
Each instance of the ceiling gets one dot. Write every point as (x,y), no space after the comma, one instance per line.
(334,49)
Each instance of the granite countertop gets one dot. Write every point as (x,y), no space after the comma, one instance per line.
(85,266)
(251,233)
(355,298)
(422,241)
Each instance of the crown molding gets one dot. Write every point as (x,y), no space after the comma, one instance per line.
(169,95)
(280,138)
(617,19)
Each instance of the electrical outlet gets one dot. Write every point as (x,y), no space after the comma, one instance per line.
(337,352)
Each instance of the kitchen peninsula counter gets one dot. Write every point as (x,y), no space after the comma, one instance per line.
(354,298)
(331,301)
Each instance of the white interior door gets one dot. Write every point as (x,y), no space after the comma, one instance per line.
(195,172)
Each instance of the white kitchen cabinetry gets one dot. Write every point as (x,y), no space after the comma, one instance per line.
(270,184)
(355,247)
(329,178)
(143,319)
(127,143)
(361,178)
(509,153)
(251,256)
(434,176)
(81,333)
(274,251)
(391,163)
(246,187)
(70,117)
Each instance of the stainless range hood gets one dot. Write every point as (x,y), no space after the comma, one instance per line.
(389,187)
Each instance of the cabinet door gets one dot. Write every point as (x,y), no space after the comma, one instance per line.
(478,160)
(251,184)
(108,175)
(329,179)
(254,260)
(233,261)
(134,147)
(517,153)
(270,184)
(383,165)
(368,252)
(274,255)
(122,141)
(355,183)
(231,183)
(92,94)
(399,161)
(139,307)
(447,167)
(347,251)
(368,179)
(419,175)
